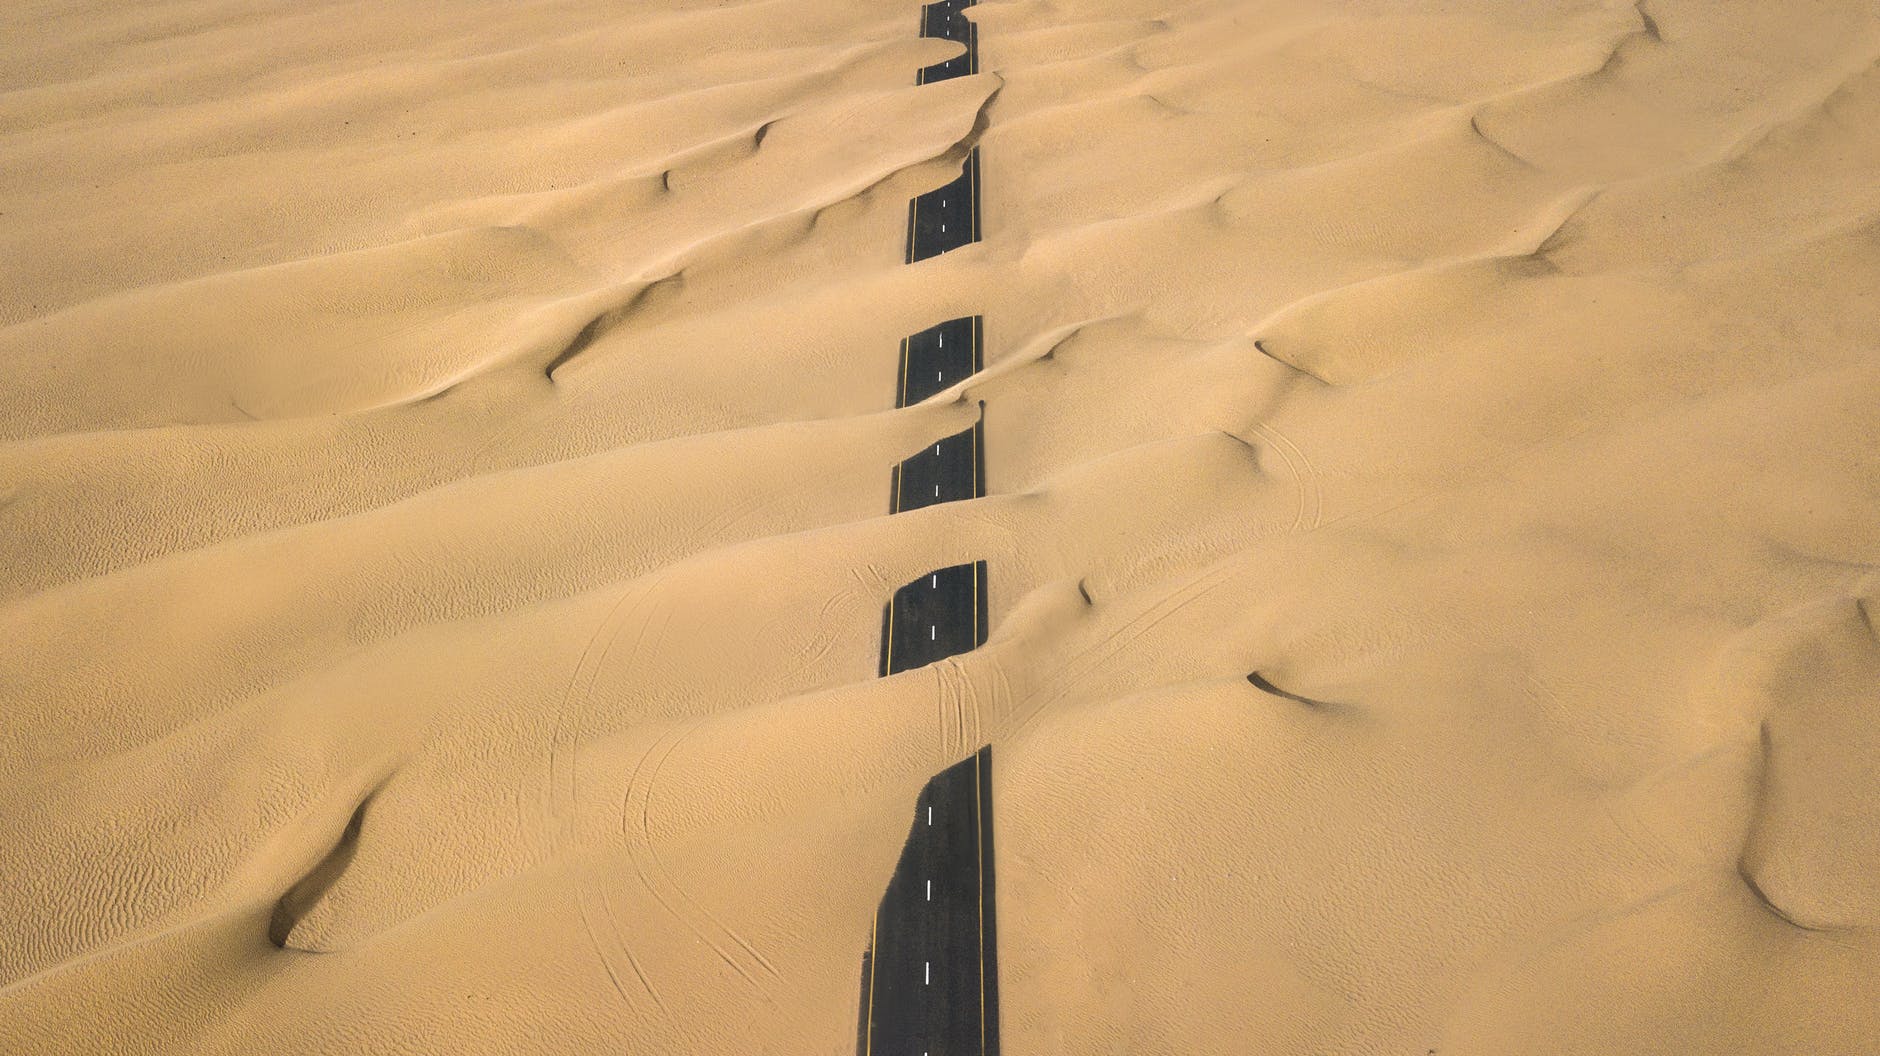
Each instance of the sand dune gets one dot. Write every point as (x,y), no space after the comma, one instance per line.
(444,480)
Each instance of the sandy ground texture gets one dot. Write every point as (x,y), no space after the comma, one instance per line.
(444,452)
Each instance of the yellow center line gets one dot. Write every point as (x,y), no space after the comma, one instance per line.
(868,1044)
(972,189)
(903,402)
(980,848)
(976,491)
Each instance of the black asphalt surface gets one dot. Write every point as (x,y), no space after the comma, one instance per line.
(944,471)
(941,614)
(943,20)
(930,981)
(937,357)
(948,218)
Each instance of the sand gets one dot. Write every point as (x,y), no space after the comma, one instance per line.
(443,484)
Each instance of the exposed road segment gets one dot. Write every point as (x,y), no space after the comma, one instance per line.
(943,471)
(943,20)
(941,614)
(947,218)
(937,357)
(930,981)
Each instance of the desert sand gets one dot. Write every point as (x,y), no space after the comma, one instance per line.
(444,451)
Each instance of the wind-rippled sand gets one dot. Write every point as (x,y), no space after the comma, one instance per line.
(444,453)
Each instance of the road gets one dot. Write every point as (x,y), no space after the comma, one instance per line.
(938,357)
(930,977)
(941,614)
(948,218)
(930,981)
(943,20)
(945,471)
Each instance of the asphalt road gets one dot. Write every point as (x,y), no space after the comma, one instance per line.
(947,218)
(938,357)
(944,20)
(944,471)
(941,614)
(930,980)
(930,976)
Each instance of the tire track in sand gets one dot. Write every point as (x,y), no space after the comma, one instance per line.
(636,805)
(561,807)
(1306,479)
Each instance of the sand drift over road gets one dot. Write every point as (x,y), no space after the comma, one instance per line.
(1423,455)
